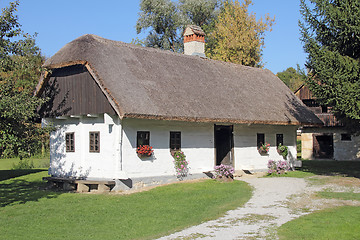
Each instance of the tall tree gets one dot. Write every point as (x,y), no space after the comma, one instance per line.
(237,36)
(19,71)
(165,20)
(293,78)
(331,36)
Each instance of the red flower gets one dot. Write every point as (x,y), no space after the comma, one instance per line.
(145,150)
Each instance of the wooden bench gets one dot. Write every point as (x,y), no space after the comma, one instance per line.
(79,185)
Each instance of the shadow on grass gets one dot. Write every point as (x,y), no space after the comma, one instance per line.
(7,174)
(24,189)
(331,168)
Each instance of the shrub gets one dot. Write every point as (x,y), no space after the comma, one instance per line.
(23,164)
(278,167)
(224,171)
(180,164)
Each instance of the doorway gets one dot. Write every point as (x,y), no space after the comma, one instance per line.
(323,146)
(224,144)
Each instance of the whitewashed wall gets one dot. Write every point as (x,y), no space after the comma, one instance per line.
(118,158)
(198,145)
(246,154)
(197,142)
(82,162)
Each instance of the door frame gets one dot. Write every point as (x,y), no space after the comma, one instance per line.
(232,156)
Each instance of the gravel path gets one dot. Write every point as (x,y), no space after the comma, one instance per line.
(267,209)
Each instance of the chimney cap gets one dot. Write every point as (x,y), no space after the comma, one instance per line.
(193,29)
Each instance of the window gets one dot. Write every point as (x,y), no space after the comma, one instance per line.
(70,142)
(279,139)
(175,141)
(94,141)
(345,137)
(324,109)
(142,138)
(260,139)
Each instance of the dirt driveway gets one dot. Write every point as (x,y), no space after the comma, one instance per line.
(275,201)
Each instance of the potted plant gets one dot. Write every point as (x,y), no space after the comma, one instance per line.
(144,151)
(264,148)
(282,150)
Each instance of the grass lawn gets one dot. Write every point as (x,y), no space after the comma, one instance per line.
(325,168)
(38,161)
(339,195)
(337,223)
(28,212)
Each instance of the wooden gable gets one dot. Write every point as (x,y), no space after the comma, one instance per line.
(73,91)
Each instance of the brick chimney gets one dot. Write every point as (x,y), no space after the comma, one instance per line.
(194,41)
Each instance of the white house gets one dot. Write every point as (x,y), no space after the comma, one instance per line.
(108,97)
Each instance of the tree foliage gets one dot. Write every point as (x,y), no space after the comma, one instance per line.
(19,71)
(238,37)
(331,36)
(293,78)
(165,20)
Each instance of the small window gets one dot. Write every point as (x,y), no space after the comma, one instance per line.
(142,138)
(260,139)
(324,109)
(279,139)
(70,142)
(94,141)
(175,141)
(345,137)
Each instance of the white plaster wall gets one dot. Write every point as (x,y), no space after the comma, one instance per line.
(246,153)
(194,47)
(197,142)
(118,158)
(82,162)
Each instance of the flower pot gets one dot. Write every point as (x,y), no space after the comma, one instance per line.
(263,152)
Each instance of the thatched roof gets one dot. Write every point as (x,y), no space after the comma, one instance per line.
(156,84)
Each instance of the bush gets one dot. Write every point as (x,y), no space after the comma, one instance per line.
(278,167)
(181,165)
(23,164)
(224,171)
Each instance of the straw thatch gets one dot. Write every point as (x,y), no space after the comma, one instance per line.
(156,84)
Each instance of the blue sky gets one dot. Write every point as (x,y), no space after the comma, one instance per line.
(58,22)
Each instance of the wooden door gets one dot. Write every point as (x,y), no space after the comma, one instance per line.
(224,144)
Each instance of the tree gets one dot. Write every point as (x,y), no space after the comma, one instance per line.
(330,32)
(19,71)
(293,78)
(166,20)
(238,37)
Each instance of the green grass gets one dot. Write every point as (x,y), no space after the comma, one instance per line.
(337,223)
(28,212)
(295,174)
(339,195)
(325,168)
(332,168)
(38,161)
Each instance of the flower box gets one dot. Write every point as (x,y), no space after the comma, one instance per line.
(144,151)
(264,148)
